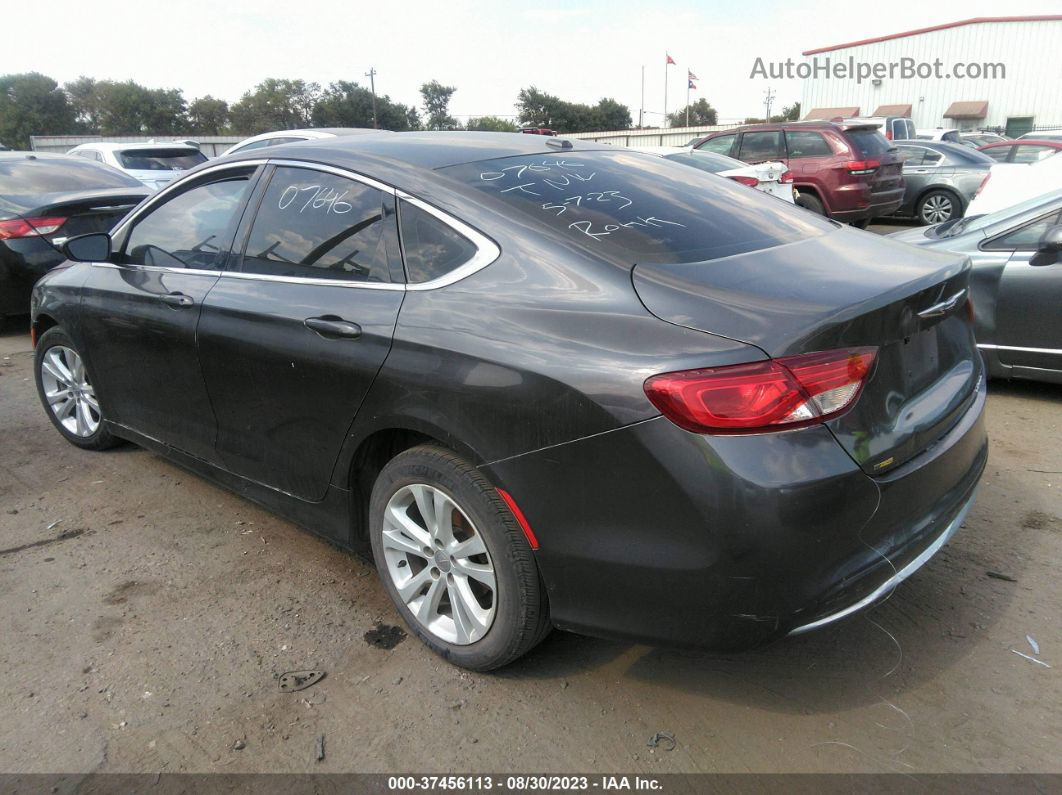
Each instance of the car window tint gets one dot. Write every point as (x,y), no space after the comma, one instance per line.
(932,158)
(868,143)
(431,247)
(625,207)
(1030,153)
(287,139)
(998,153)
(911,155)
(190,230)
(255,145)
(720,145)
(160,159)
(713,165)
(806,144)
(1025,237)
(756,147)
(311,224)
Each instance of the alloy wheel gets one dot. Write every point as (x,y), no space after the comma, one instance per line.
(69,393)
(439,564)
(936,209)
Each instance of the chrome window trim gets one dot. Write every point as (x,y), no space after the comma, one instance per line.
(487,251)
(987,346)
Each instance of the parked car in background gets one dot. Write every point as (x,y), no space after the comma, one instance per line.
(155,165)
(980,139)
(687,412)
(940,179)
(1008,184)
(1031,150)
(1016,283)
(291,136)
(949,134)
(894,128)
(773,178)
(44,199)
(845,171)
(1043,135)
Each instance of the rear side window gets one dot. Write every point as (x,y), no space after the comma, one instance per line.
(867,143)
(627,208)
(191,230)
(311,224)
(807,144)
(431,247)
(721,145)
(160,159)
(757,147)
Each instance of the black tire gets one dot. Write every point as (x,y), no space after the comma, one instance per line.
(101,438)
(809,202)
(933,203)
(521,612)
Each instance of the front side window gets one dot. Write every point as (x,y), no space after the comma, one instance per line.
(1030,153)
(191,230)
(311,224)
(998,153)
(431,247)
(721,145)
(806,144)
(1025,237)
(758,147)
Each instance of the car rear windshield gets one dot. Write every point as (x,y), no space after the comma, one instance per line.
(31,176)
(868,143)
(630,209)
(160,159)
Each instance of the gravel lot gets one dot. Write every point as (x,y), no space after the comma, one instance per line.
(148,617)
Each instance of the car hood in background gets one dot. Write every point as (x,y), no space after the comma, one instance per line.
(815,294)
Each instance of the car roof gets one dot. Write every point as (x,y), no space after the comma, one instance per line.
(397,152)
(658,150)
(114,146)
(1024,142)
(20,154)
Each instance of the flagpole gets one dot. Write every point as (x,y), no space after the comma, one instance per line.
(688,81)
(641,107)
(666,65)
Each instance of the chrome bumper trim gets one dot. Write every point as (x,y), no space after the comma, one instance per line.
(898,577)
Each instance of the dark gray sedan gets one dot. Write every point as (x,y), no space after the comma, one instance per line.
(940,179)
(1016,283)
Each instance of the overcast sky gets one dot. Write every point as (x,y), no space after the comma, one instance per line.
(580,51)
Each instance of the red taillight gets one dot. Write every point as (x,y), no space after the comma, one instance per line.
(31,227)
(984,182)
(763,396)
(752,182)
(857,167)
(786,178)
(888,135)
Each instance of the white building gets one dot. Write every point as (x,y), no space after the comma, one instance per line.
(989,72)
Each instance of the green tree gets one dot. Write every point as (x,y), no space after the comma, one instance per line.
(32,104)
(611,115)
(208,115)
(275,105)
(701,114)
(436,100)
(165,111)
(491,124)
(791,112)
(539,109)
(346,104)
(85,102)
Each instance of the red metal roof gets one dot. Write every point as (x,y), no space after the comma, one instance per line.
(960,23)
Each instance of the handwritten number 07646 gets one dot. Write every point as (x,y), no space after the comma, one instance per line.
(318,197)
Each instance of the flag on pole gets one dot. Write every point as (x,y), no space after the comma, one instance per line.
(691,75)
(670,61)
(691,85)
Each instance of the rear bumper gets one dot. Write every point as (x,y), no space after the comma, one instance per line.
(653,534)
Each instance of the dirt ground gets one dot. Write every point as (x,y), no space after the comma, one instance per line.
(148,615)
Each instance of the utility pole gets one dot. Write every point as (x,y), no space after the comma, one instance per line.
(769,99)
(371,74)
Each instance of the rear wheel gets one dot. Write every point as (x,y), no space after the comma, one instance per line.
(936,207)
(454,561)
(809,202)
(67,394)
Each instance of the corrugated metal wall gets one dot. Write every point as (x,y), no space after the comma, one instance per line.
(1031,51)
(674,136)
(210,145)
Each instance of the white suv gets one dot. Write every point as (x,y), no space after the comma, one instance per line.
(154,164)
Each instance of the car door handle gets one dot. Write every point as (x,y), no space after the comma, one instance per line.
(331,326)
(177,299)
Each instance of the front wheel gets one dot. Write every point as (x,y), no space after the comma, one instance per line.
(454,560)
(67,394)
(936,207)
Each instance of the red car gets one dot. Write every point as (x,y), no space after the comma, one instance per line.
(1027,150)
(845,170)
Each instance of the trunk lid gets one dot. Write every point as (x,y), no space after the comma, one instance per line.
(87,211)
(842,290)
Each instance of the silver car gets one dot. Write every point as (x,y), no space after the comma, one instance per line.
(1016,283)
(940,179)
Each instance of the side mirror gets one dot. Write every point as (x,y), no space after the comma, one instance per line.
(1051,242)
(94,247)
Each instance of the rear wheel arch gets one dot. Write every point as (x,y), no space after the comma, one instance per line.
(811,191)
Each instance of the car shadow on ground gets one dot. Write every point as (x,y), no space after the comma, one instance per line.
(920,632)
